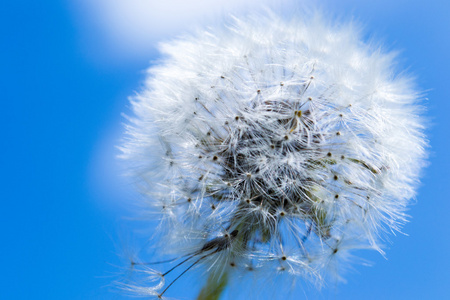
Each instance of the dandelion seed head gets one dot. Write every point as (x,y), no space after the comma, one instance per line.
(277,145)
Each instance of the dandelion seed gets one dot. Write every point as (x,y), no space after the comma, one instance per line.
(319,162)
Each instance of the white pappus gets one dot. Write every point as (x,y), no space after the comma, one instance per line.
(274,145)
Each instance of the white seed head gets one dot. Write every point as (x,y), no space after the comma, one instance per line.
(280,145)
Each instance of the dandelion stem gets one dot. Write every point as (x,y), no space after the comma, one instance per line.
(196,262)
(214,287)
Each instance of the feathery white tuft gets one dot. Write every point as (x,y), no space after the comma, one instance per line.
(275,146)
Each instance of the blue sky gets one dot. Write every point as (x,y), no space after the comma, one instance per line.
(67,70)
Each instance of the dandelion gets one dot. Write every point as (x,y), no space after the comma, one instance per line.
(274,146)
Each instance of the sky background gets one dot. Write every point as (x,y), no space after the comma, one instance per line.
(67,68)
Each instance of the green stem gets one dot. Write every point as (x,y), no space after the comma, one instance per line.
(214,287)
